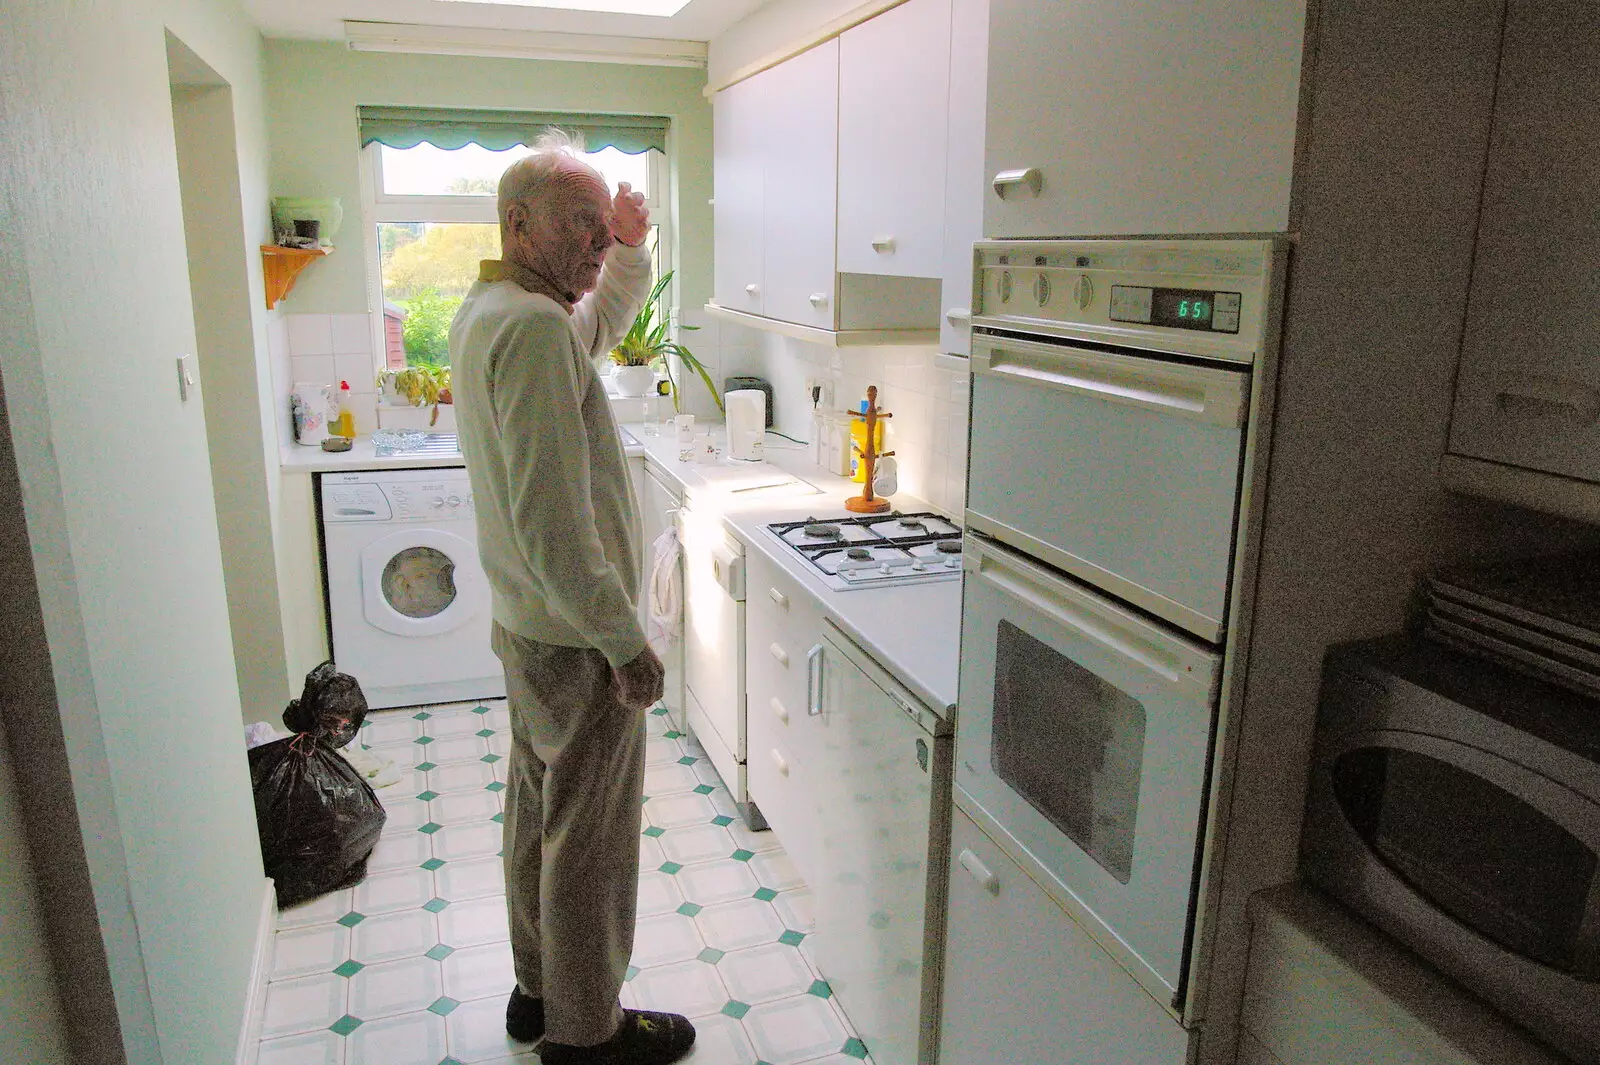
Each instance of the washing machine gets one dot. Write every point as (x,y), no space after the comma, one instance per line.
(408,603)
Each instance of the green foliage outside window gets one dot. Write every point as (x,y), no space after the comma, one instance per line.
(427,327)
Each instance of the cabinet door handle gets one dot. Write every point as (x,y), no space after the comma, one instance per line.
(959,315)
(780,654)
(780,761)
(980,872)
(1026,177)
(883,244)
(814,681)
(778,597)
(818,299)
(780,710)
(751,290)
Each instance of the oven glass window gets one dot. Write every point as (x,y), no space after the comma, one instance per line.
(1069,743)
(1475,851)
(420,582)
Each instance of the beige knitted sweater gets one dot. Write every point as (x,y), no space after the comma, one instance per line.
(558,524)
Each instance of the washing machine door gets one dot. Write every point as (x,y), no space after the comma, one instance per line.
(421,582)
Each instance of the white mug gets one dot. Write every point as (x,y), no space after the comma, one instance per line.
(684,424)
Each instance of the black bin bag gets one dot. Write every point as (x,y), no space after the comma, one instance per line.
(317,815)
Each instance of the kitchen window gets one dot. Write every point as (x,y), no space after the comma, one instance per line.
(429,181)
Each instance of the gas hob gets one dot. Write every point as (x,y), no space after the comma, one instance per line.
(875,550)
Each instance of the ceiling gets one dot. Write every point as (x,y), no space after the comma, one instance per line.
(699,20)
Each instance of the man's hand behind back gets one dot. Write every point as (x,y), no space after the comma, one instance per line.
(639,684)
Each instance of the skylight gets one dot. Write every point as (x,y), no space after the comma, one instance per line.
(662,8)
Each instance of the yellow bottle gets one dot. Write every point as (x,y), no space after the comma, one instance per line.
(345,423)
(858,437)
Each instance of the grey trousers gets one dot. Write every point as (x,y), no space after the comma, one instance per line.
(574,793)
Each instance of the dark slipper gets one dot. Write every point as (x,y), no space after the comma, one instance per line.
(643,1038)
(524,1017)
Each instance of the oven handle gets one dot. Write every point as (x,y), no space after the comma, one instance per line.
(1199,393)
(1152,651)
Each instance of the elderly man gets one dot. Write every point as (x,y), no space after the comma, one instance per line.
(557,529)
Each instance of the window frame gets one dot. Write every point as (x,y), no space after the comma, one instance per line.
(379,207)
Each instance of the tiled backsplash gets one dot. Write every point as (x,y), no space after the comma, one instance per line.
(325,349)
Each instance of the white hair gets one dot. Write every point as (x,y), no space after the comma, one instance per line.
(536,180)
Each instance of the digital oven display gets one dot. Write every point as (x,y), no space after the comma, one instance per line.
(1177,308)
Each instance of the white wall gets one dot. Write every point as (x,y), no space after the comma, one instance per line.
(117,490)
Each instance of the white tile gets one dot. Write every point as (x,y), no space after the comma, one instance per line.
(691,988)
(409,1039)
(480,972)
(475,922)
(392,936)
(765,973)
(313,1048)
(365,407)
(404,753)
(310,334)
(478,1032)
(794,1029)
(324,910)
(304,951)
(659,751)
(313,370)
(474,839)
(664,939)
(776,871)
(460,722)
(499,717)
(351,335)
(709,883)
(697,843)
(669,779)
(411,783)
(398,889)
(650,856)
(390,726)
(404,815)
(500,743)
(358,371)
(676,811)
(796,909)
(405,851)
(743,923)
(395,987)
(473,879)
(762,842)
(707,773)
(722,802)
(458,807)
(456,749)
(719,1040)
(658,893)
(462,776)
(305,1004)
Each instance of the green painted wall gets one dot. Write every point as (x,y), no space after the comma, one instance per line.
(314,88)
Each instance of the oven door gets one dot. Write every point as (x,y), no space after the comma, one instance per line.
(1084,738)
(1119,468)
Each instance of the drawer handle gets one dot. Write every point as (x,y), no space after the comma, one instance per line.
(818,299)
(752,289)
(778,597)
(883,244)
(780,654)
(814,681)
(1028,177)
(980,872)
(958,315)
(780,761)
(780,710)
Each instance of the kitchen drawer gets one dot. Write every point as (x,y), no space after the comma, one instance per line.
(782,788)
(783,624)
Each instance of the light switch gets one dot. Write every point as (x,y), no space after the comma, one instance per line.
(185,377)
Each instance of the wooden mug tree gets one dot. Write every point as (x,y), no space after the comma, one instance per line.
(866,502)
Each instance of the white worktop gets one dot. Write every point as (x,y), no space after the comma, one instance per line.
(912,630)
(364,456)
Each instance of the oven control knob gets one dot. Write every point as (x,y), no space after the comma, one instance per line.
(919,566)
(1083,292)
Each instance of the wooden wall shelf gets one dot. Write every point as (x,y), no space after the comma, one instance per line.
(283,265)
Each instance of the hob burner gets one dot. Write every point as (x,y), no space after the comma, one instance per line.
(867,551)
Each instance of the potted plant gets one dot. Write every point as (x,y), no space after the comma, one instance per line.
(418,386)
(647,346)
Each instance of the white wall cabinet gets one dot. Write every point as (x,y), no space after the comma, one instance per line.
(894,87)
(1142,116)
(964,176)
(1023,984)
(738,213)
(1528,391)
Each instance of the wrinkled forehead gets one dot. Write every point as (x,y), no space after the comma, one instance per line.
(576,184)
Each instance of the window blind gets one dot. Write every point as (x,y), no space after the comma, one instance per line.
(450,128)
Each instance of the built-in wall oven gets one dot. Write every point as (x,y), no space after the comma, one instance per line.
(1119,397)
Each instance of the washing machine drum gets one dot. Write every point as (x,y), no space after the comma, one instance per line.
(421,582)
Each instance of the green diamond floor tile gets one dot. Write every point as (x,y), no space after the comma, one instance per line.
(704,789)
(443,1005)
(351,919)
(441,952)
(742,855)
(498,819)
(711,955)
(432,863)
(435,905)
(688,759)
(854,1048)
(791,938)
(735,1009)
(426,796)
(689,909)
(490,758)
(633,970)
(423,741)
(669,867)
(659,711)
(673,735)
(765,894)
(421,715)
(349,969)
(722,820)
(430,828)
(480,709)
(494,786)
(345,1025)
(820,988)
(450,1061)
(426,767)
(653,831)
(485,732)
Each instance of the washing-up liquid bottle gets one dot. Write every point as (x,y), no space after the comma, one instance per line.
(344,424)
(858,437)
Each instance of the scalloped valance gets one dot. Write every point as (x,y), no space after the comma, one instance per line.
(450,128)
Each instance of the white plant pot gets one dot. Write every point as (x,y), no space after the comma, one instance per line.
(634,380)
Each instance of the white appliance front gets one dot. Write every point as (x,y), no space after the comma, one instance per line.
(408,602)
(713,643)
(1084,737)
